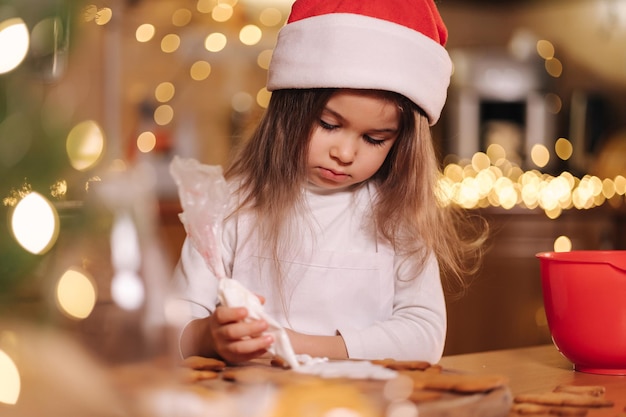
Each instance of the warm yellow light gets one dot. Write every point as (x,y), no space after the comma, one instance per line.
(170,43)
(35,223)
(554,213)
(200,70)
(620,184)
(454,172)
(562,244)
(545,49)
(163,114)
(264,58)
(164,92)
(146,142)
(85,145)
(480,161)
(76,293)
(14,44)
(205,6)
(496,153)
(554,67)
(563,148)
(270,16)
(263,97)
(250,35)
(10,382)
(506,192)
(215,42)
(181,17)
(222,12)
(145,32)
(103,16)
(608,188)
(540,155)
(242,102)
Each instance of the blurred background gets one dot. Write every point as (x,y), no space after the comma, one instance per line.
(97,97)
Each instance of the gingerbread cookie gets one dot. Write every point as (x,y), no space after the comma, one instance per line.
(593,390)
(563,398)
(463,383)
(201,363)
(402,365)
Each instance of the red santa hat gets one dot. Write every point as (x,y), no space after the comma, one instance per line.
(394,45)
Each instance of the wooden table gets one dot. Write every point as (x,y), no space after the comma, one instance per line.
(539,369)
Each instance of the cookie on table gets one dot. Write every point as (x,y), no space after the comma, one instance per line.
(593,390)
(564,399)
(201,363)
(461,383)
(402,365)
(190,376)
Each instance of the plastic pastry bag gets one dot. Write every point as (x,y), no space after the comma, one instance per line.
(203,194)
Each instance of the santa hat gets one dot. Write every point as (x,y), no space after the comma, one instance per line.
(395,45)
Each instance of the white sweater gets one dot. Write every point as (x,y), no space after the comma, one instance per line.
(337,278)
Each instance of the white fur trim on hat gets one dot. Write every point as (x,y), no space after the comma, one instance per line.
(344,50)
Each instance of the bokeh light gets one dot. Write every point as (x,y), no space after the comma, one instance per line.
(14,44)
(163,114)
(554,67)
(146,142)
(145,32)
(540,155)
(242,102)
(264,58)
(164,92)
(200,70)
(10,382)
(181,17)
(222,12)
(545,49)
(85,145)
(205,6)
(76,293)
(270,17)
(170,43)
(250,35)
(35,223)
(263,97)
(563,148)
(104,16)
(215,42)
(562,244)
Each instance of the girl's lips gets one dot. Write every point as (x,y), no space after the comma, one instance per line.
(332,175)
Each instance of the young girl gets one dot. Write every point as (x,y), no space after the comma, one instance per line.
(334,220)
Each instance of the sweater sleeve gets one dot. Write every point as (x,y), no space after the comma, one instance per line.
(416,329)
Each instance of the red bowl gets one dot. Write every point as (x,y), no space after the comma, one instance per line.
(584,294)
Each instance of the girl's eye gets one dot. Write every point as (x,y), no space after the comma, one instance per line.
(327,126)
(372,141)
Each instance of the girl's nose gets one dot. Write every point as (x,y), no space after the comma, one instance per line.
(344,149)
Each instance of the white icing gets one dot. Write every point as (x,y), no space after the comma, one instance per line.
(232,294)
(345,369)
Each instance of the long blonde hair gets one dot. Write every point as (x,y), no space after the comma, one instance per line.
(271,168)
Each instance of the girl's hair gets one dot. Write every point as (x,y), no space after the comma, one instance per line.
(271,169)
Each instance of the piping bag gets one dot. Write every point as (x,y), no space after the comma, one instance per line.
(203,194)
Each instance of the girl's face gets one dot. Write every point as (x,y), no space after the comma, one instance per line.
(354,134)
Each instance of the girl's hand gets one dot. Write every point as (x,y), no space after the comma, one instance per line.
(234,339)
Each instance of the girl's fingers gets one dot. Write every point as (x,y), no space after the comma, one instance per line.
(250,348)
(225,315)
(241,330)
